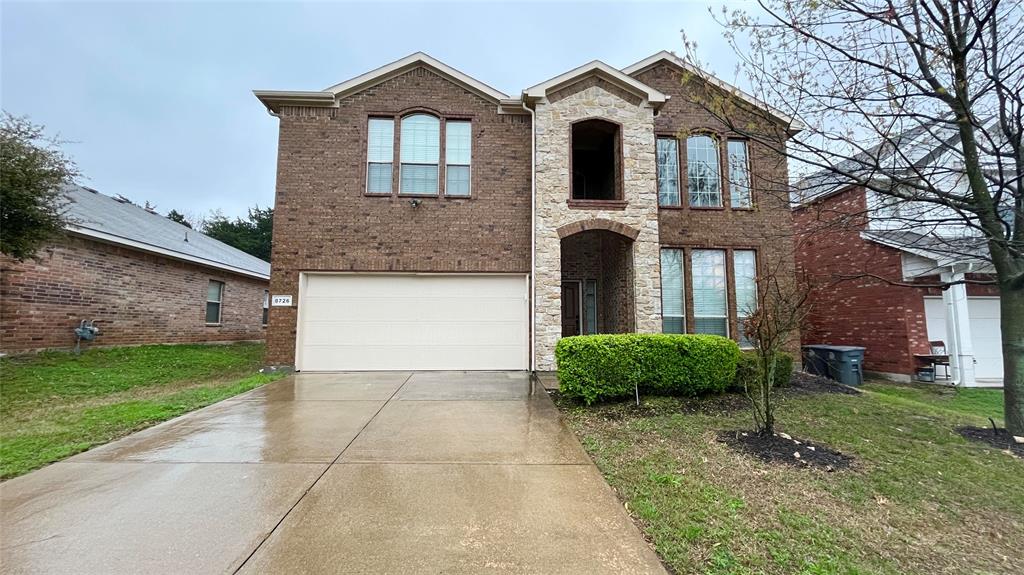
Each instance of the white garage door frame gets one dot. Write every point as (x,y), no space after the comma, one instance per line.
(986,338)
(303,310)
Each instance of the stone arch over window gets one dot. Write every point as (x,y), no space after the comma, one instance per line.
(598,224)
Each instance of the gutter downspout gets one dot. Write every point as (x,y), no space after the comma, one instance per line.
(533,235)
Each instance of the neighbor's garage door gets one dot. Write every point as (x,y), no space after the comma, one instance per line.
(427,322)
(985,332)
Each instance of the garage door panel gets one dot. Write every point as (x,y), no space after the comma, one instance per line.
(381,321)
(986,335)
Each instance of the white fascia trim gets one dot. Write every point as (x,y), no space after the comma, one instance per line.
(665,55)
(599,68)
(397,67)
(955,263)
(143,247)
(274,99)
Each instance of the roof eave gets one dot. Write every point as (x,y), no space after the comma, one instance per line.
(149,248)
(653,96)
(275,99)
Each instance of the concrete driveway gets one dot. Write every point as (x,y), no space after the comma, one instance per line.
(333,473)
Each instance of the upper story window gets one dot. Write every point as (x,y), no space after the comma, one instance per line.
(702,172)
(380,152)
(739,174)
(458,148)
(596,161)
(668,172)
(420,150)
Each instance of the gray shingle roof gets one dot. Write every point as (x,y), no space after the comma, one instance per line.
(102,217)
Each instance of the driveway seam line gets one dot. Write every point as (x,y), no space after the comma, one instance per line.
(327,468)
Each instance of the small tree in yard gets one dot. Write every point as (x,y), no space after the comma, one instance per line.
(32,171)
(773,326)
(916,101)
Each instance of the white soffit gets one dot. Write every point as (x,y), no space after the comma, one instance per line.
(411,61)
(602,70)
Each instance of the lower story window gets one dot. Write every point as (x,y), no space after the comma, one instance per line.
(266,306)
(744,264)
(214,299)
(673,308)
(710,302)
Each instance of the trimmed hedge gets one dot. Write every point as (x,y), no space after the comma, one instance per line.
(600,367)
(749,367)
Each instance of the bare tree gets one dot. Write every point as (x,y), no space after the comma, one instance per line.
(916,101)
(773,323)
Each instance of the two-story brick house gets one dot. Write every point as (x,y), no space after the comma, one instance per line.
(425,220)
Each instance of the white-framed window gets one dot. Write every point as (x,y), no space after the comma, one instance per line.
(744,274)
(673,292)
(214,301)
(420,144)
(703,178)
(739,174)
(380,153)
(266,306)
(458,152)
(710,300)
(668,172)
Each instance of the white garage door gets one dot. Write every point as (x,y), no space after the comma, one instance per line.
(985,332)
(425,322)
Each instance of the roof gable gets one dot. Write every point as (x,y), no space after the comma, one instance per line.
(601,70)
(328,97)
(671,59)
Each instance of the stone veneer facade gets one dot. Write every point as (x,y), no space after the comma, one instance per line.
(589,99)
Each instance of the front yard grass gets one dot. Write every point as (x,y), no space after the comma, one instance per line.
(56,404)
(918,499)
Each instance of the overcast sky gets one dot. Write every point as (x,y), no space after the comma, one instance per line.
(157,96)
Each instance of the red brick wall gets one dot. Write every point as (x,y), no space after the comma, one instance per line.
(887,320)
(767,228)
(137,298)
(323,220)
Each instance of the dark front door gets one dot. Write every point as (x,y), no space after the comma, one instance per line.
(570,308)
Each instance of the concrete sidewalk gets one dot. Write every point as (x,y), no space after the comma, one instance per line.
(393,472)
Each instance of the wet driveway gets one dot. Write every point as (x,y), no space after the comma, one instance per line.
(394,472)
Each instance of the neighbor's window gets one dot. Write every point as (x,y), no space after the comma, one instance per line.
(668,172)
(744,266)
(595,161)
(739,174)
(702,175)
(420,148)
(590,307)
(673,308)
(266,306)
(214,298)
(380,152)
(710,308)
(457,153)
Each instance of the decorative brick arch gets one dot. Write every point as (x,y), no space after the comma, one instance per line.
(598,224)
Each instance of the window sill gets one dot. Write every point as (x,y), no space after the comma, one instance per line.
(419,195)
(213,325)
(377,195)
(709,208)
(745,209)
(597,204)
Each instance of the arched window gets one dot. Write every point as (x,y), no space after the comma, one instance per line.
(420,149)
(596,161)
(702,172)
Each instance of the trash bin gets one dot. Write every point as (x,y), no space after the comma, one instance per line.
(845,363)
(814,360)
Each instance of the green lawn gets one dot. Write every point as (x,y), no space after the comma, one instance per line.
(919,498)
(56,404)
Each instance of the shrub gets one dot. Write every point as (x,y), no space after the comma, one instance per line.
(749,368)
(599,367)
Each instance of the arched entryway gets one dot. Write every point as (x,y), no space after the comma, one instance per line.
(597,279)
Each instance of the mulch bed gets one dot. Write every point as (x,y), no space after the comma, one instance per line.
(803,382)
(781,448)
(998,438)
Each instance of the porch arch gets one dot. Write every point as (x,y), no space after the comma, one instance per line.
(597,224)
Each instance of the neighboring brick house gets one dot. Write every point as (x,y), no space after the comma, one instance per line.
(425,220)
(864,253)
(142,277)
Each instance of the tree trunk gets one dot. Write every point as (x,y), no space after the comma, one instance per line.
(1012,317)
